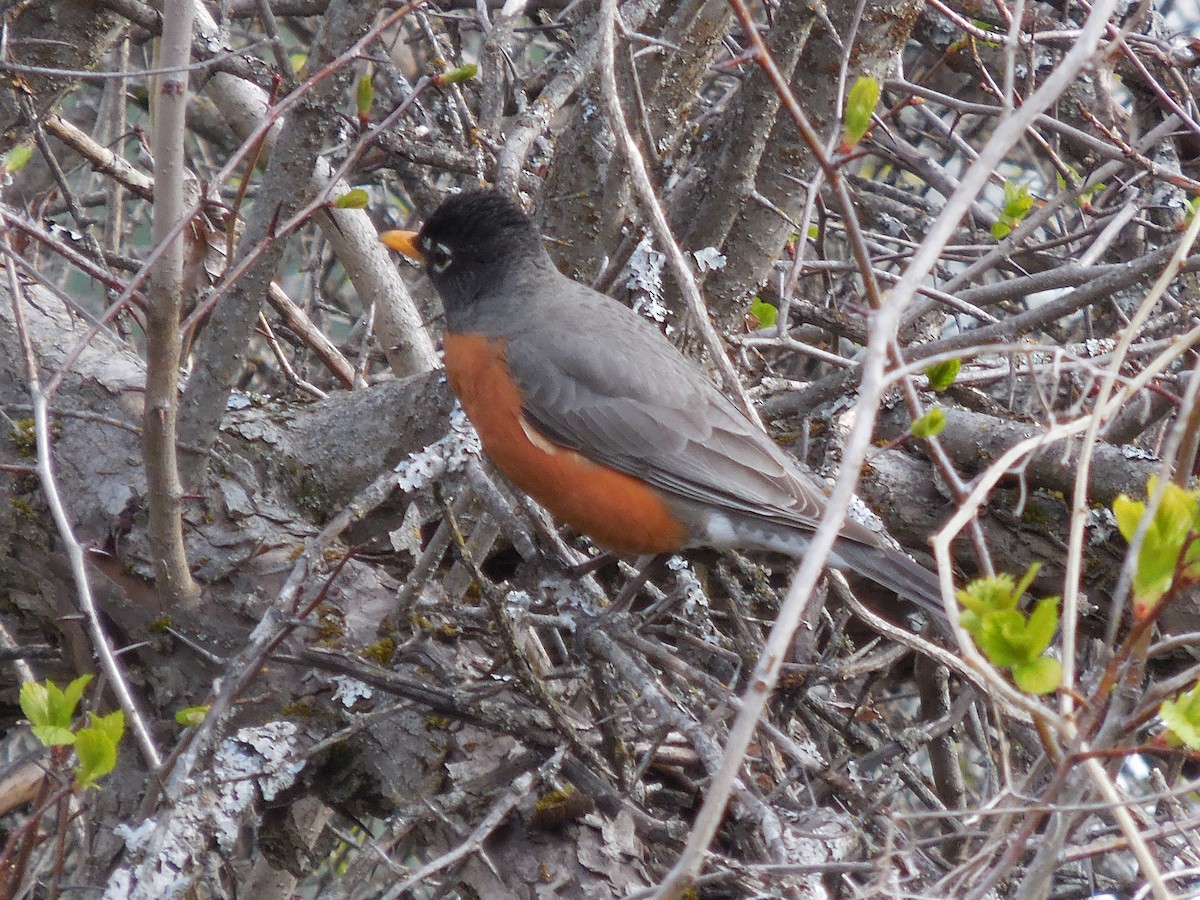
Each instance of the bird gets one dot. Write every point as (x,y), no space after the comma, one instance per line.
(590,410)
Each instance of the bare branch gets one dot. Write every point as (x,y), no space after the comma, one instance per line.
(166,288)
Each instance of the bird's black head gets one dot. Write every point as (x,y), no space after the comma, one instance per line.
(473,241)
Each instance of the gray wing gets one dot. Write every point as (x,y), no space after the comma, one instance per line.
(605,383)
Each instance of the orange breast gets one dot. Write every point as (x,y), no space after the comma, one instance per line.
(614,509)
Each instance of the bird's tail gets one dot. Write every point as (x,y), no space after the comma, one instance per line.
(889,568)
(893,570)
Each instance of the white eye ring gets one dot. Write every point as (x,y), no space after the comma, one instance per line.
(439,257)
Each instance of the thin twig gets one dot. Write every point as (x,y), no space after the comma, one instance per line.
(487,825)
(658,217)
(74,550)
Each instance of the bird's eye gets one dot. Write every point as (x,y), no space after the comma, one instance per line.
(439,258)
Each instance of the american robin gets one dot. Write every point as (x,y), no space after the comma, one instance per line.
(586,407)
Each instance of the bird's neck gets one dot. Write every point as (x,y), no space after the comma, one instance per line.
(507,300)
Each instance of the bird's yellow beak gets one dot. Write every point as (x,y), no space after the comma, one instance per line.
(405,242)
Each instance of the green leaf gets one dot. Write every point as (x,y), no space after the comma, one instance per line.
(1170,539)
(1184,731)
(46,704)
(995,592)
(1182,717)
(985,26)
(113,724)
(365,97)
(1038,676)
(1018,201)
(1043,622)
(1128,513)
(192,715)
(860,104)
(53,735)
(97,753)
(941,375)
(64,712)
(1000,637)
(457,75)
(356,198)
(1006,636)
(96,747)
(763,312)
(35,703)
(16,158)
(1083,196)
(929,424)
(1026,581)
(971,621)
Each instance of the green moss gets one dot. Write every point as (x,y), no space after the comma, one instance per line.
(23,508)
(24,438)
(1034,514)
(301,709)
(553,800)
(380,652)
(329,628)
(306,492)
